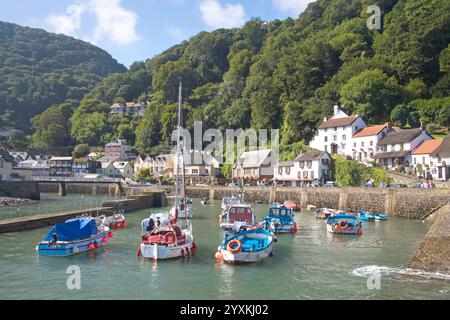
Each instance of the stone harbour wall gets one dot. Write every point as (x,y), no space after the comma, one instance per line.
(407,203)
(20,189)
(433,253)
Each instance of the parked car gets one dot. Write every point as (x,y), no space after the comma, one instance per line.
(396,185)
(417,185)
(330,184)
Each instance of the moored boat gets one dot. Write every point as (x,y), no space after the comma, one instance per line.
(246,247)
(281,220)
(344,224)
(229,201)
(238,217)
(116,221)
(204,201)
(74,236)
(365,215)
(291,205)
(324,213)
(379,216)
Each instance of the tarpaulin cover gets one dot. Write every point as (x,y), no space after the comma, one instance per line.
(74,229)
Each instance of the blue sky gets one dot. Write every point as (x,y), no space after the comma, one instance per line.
(132,30)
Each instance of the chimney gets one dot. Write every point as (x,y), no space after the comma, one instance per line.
(336,110)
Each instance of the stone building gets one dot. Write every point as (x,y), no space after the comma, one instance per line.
(253,166)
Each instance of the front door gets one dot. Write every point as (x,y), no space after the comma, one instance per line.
(334,148)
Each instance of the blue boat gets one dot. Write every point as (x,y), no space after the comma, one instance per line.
(73,237)
(246,246)
(280,220)
(379,216)
(366,216)
(344,224)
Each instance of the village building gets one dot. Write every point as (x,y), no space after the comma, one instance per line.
(254,166)
(159,166)
(365,142)
(84,166)
(396,147)
(204,170)
(335,135)
(39,167)
(309,168)
(131,108)
(441,159)
(119,149)
(124,168)
(61,166)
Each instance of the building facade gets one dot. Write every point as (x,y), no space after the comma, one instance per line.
(119,149)
(365,142)
(131,108)
(335,135)
(61,166)
(254,166)
(309,168)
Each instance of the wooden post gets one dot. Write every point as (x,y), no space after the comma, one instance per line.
(62,189)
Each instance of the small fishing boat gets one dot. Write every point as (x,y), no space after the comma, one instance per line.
(292,205)
(237,218)
(229,201)
(365,216)
(324,213)
(116,221)
(259,202)
(379,216)
(280,220)
(344,224)
(74,236)
(310,207)
(246,247)
(204,201)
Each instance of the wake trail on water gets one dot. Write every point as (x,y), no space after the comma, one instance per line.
(370,270)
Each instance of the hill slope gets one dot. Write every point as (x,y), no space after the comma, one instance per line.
(39,69)
(289,74)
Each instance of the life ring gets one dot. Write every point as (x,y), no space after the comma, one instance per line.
(170,238)
(343,224)
(234,246)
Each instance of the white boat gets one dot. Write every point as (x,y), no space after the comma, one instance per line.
(247,247)
(228,201)
(238,217)
(165,239)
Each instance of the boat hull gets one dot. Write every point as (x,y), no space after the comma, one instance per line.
(64,249)
(246,257)
(164,252)
(354,230)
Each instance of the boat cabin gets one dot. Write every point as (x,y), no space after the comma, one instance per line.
(240,213)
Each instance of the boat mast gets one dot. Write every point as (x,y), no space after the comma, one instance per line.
(183,171)
(177,156)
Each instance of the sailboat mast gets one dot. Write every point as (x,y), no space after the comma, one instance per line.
(183,170)
(177,156)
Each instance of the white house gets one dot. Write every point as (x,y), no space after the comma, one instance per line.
(335,135)
(424,164)
(125,169)
(441,157)
(108,169)
(119,149)
(396,147)
(365,142)
(313,167)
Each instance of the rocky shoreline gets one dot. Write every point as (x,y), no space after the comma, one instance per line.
(6,202)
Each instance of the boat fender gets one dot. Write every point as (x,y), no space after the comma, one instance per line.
(96,245)
(360,232)
(91,246)
(110,235)
(139,252)
(170,238)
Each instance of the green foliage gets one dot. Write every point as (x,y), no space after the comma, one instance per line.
(349,173)
(40,69)
(145,175)
(17,139)
(80,151)
(148,132)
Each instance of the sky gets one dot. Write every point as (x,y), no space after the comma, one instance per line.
(135,30)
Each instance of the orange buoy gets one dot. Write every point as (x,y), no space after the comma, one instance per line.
(219,256)
(360,232)
(91,246)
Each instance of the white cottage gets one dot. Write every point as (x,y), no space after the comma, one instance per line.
(365,142)
(424,164)
(335,135)
(313,167)
(441,156)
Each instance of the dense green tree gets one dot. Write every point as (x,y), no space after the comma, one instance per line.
(80,151)
(148,133)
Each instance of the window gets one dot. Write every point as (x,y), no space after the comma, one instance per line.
(356,128)
(302,164)
(344,137)
(305,174)
(423,160)
(354,145)
(247,172)
(415,160)
(335,129)
(312,175)
(288,170)
(280,170)
(335,138)
(326,139)
(362,144)
(309,164)
(371,143)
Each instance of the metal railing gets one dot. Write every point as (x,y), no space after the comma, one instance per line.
(78,179)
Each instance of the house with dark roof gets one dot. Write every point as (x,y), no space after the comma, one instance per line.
(312,167)
(365,142)
(396,147)
(335,135)
(254,166)
(441,159)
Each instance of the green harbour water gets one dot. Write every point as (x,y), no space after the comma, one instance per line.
(309,265)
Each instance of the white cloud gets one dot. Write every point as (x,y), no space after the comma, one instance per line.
(217,16)
(293,6)
(113,22)
(70,23)
(175,33)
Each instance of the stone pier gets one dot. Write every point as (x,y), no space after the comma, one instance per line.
(433,254)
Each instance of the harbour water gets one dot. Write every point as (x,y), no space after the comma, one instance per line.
(310,265)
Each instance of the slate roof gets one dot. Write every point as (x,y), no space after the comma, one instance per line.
(338,122)
(402,136)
